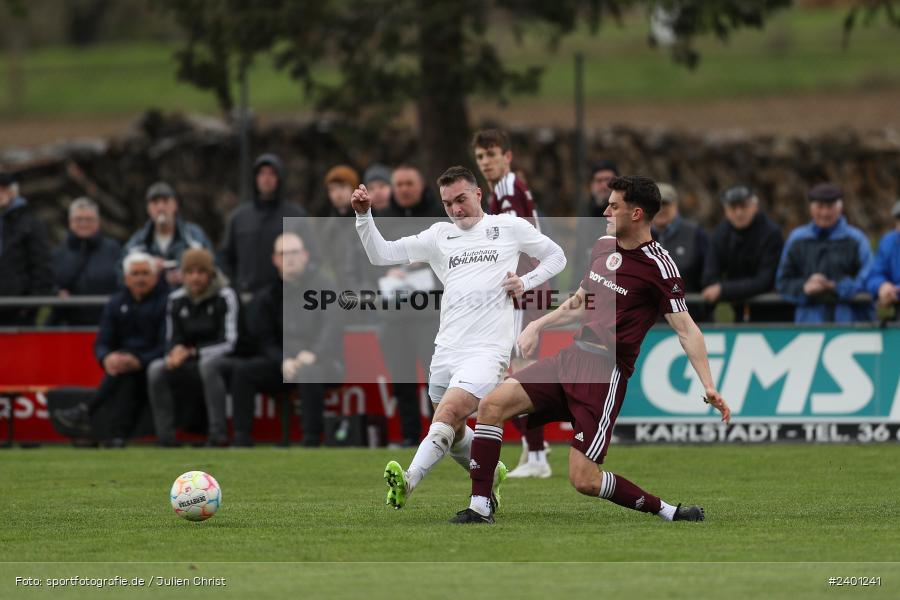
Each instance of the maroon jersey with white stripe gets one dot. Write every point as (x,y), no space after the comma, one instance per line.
(511,196)
(643,284)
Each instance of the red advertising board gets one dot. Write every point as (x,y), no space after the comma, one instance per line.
(36,361)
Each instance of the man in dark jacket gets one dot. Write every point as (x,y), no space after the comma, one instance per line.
(131,336)
(307,347)
(85,264)
(165,235)
(202,325)
(24,253)
(743,257)
(684,239)
(253,227)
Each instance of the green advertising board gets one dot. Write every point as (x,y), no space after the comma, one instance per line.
(785,382)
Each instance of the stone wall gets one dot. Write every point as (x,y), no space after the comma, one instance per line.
(199,156)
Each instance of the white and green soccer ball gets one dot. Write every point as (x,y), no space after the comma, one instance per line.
(196,496)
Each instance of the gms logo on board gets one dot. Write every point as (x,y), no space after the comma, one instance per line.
(775,375)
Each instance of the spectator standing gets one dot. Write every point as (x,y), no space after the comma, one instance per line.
(166,235)
(253,227)
(684,239)
(743,256)
(825,263)
(131,336)
(884,279)
(377,180)
(591,224)
(24,253)
(202,324)
(85,264)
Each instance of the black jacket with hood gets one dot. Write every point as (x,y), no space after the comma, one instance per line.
(246,254)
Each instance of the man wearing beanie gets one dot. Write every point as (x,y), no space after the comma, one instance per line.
(377,180)
(341,181)
(825,263)
(201,333)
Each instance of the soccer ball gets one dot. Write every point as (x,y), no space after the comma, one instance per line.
(196,496)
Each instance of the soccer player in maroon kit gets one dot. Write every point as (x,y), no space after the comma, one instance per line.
(510,195)
(585,383)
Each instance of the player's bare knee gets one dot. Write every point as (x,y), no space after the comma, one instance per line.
(451,414)
(490,410)
(585,483)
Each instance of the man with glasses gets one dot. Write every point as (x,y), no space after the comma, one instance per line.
(302,348)
(743,256)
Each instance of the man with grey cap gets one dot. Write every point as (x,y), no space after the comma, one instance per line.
(165,235)
(825,263)
(743,256)
(884,280)
(683,238)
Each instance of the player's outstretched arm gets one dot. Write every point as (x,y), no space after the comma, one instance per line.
(695,347)
(379,251)
(567,312)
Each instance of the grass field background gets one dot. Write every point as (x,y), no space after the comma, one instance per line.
(799,51)
(779,517)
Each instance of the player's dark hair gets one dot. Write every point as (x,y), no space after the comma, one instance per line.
(638,191)
(491,137)
(454,174)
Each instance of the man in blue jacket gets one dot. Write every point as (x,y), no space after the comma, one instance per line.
(131,336)
(825,263)
(884,278)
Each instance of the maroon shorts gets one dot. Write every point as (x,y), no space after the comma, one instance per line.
(567,387)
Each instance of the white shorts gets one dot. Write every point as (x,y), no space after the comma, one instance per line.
(476,372)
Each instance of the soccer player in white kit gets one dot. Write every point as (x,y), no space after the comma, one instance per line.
(475,257)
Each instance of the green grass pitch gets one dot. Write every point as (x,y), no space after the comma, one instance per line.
(781,520)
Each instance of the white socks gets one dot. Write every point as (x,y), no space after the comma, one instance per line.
(461,451)
(537,456)
(432,449)
(481,505)
(666,511)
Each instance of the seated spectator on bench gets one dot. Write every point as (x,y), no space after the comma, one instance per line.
(306,347)
(884,280)
(85,264)
(202,320)
(130,338)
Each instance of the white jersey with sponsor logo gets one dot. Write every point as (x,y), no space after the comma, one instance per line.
(476,312)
